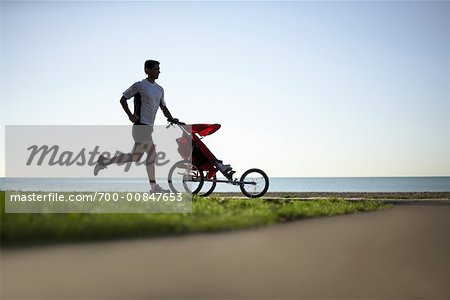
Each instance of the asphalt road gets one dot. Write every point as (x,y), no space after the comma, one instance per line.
(399,253)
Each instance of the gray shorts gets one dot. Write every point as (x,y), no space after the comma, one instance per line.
(142,136)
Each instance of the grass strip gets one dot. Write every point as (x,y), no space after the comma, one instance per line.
(209,215)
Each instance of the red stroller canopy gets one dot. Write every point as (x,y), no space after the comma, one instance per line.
(205,129)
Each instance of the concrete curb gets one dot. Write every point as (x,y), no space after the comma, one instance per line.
(443,201)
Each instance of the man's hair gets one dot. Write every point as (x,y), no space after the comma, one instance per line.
(150,64)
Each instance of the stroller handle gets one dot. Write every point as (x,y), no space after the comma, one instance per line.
(180,124)
(175,121)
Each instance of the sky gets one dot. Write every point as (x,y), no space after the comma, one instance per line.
(301,89)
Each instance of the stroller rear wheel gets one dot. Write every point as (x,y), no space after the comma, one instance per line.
(185,176)
(254,183)
(208,186)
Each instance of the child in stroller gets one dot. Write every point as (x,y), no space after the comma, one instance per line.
(201,155)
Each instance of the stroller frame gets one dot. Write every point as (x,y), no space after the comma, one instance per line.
(200,165)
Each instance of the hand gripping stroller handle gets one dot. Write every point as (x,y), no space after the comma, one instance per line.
(175,121)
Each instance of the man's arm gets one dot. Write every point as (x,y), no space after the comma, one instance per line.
(166,112)
(133,117)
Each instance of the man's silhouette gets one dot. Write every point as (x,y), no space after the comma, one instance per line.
(148,97)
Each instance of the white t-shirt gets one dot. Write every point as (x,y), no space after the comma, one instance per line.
(147,99)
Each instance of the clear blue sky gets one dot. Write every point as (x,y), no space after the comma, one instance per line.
(300,88)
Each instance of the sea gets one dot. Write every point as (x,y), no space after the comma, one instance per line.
(277,184)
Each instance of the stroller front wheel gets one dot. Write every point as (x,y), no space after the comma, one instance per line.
(254,183)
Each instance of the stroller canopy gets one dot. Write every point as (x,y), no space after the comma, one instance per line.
(205,129)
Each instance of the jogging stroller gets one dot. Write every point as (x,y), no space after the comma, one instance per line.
(197,172)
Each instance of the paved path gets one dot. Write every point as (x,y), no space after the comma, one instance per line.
(398,253)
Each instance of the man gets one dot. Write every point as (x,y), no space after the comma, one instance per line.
(148,97)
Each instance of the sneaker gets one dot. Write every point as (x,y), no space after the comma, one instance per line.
(223,168)
(99,165)
(155,188)
(229,175)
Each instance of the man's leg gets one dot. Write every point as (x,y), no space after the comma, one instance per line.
(123,158)
(150,167)
(150,163)
(141,135)
(136,154)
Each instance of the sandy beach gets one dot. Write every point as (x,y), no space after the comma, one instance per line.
(390,254)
